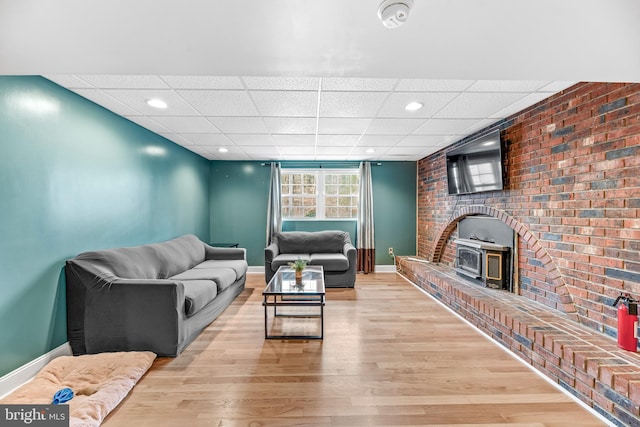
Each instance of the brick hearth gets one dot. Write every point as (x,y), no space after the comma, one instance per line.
(586,363)
(572,198)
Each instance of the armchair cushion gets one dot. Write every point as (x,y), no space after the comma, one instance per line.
(306,242)
(330,262)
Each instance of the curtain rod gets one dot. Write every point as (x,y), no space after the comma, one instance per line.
(320,165)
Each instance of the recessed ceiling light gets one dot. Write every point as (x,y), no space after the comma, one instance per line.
(370,150)
(413,106)
(223,150)
(157,103)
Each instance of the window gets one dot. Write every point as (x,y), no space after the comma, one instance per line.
(319,194)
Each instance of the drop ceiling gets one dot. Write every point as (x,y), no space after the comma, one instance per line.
(318,79)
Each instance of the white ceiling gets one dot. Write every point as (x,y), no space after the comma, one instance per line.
(321,79)
(289,118)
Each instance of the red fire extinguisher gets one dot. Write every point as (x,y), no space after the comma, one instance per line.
(627,322)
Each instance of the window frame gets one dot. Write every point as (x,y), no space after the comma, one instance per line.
(320,195)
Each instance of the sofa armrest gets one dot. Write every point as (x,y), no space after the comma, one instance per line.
(350,252)
(211,252)
(134,314)
(270,252)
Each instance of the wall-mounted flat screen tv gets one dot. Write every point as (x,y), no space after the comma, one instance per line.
(476,166)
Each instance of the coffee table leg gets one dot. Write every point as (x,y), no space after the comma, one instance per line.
(266,299)
(322,318)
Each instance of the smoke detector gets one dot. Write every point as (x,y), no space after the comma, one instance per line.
(394,13)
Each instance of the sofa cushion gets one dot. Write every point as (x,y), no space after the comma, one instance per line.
(330,262)
(304,242)
(154,261)
(197,294)
(285,259)
(237,265)
(224,277)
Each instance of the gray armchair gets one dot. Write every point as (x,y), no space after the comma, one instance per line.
(332,249)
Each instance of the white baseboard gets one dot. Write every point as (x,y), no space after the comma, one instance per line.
(25,373)
(385,269)
(255,269)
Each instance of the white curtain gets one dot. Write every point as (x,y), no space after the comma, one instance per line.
(274,211)
(366,238)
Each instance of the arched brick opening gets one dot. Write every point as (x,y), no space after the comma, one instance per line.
(552,272)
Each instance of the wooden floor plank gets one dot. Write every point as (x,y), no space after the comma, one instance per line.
(391,357)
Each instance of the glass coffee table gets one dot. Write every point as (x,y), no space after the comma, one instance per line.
(283,291)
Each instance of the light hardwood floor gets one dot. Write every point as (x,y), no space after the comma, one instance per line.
(391,357)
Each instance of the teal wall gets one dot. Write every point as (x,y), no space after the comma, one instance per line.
(238,206)
(394,209)
(76,177)
(239,195)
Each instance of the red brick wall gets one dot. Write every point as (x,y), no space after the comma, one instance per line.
(572,193)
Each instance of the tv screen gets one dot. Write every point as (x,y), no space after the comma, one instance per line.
(476,166)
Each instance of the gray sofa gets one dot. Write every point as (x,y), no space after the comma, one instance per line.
(331,248)
(155,297)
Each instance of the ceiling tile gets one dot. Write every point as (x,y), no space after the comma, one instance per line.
(204,82)
(393,126)
(69,81)
(362,151)
(333,150)
(351,104)
(556,86)
(251,139)
(478,105)
(232,156)
(261,149)
(424,85)
(125,82)
(356,84)
(216,139)
(506,86)
(201,151)
(444,126)
(309,140)
(423,141)
(335,125)
(220,102)
(282,83)
(286,103)
(380,140)
(405,151)
(177,138)
(186,124)
(471,129)
(520,105)
(108,102)
(291,125)
(239,124)
(431,103)
(149,123)
(137,99)
(337,140)
(296,150)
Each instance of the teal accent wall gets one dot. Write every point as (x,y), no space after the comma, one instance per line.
(394,209)
(76,177)
(238,205)
(239,196)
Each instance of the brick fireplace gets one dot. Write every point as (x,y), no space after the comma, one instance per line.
(572,199)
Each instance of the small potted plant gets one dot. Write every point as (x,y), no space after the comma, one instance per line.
(298,266)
